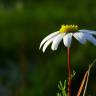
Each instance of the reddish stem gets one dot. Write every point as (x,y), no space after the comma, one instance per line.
(69,74)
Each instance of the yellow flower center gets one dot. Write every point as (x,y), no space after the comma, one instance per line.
(68,28)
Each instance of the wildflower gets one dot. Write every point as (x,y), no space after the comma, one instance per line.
(66,33)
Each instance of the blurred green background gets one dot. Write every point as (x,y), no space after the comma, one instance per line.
(26,71)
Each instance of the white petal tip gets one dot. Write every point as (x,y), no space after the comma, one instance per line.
(43,51)
(54,49)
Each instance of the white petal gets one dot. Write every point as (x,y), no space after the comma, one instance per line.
(47,44)
(80,37)
(56,41)
(47,38)
(91,38)
(67,39)
(88,31)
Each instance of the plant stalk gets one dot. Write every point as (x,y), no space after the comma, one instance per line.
(69,73)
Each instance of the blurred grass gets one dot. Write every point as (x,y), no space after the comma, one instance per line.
(30,72)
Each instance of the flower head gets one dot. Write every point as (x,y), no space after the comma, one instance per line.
(68,28)
(66,33)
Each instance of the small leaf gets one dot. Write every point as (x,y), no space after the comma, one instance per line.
(73,74)
(62,88)
(58,94)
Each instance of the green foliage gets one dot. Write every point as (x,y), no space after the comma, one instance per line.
(62,88)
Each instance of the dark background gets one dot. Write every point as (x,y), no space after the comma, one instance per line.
(26,71)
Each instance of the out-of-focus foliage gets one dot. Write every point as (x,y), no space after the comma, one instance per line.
(26,71)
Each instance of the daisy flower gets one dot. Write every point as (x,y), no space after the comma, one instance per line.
(66,33)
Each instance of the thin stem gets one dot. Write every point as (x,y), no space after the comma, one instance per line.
(86,83)
(69,74)
(82,84)
(85,80)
